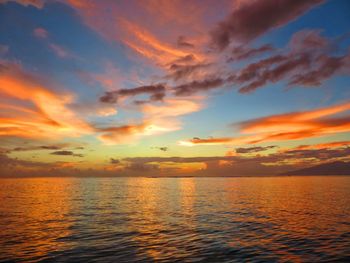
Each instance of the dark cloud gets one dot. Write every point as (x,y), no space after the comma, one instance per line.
(279,72)
(254,149)
(182,71)
(42,147)
(255,18)
(328,66)
(242,52)
(320,154)
(307,62)
(156,93)
(79,148)
(8,162)
(67,153)
(163,149)
(198,86)
(114,161)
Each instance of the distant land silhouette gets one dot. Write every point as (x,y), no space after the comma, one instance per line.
(333,168)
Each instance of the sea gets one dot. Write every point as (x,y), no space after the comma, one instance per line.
(141,219)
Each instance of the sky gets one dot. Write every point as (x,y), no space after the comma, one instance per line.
(173,88)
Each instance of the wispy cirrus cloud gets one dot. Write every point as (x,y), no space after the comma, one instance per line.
(59,50)
(36,111)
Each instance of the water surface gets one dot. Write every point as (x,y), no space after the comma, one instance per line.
(275,219)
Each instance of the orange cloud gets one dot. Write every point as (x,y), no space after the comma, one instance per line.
(173,107)
(148,45)
(298,123)
(131,133)
(141,32)
(290,126)
(32,110)
(327,145)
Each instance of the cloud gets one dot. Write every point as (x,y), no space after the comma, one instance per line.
(41,32)
(182,42)
(283,127)
(198,86)
(326,145)
(254,18)
(163,149)
(67,153)
(40,147)
(254,149)
(306,62)
(126,134)
(328,66)
(157,118)
(156,92)
(8,162)
(208,141)
(122,134)
(268,164)
(173,107)
(141,167)
(319,154)
(31,110)
(242,165)
(145,43)
(242,52)
(60,51)
(114,161)
(36,3)
(178,71)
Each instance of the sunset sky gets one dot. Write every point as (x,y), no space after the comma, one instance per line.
(158,87)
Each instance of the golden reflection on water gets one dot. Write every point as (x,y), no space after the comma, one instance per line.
(38,209)
(156,219)
(147,218)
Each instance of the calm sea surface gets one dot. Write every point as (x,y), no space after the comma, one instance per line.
(274,219)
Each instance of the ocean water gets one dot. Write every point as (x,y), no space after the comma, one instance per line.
(270,219)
